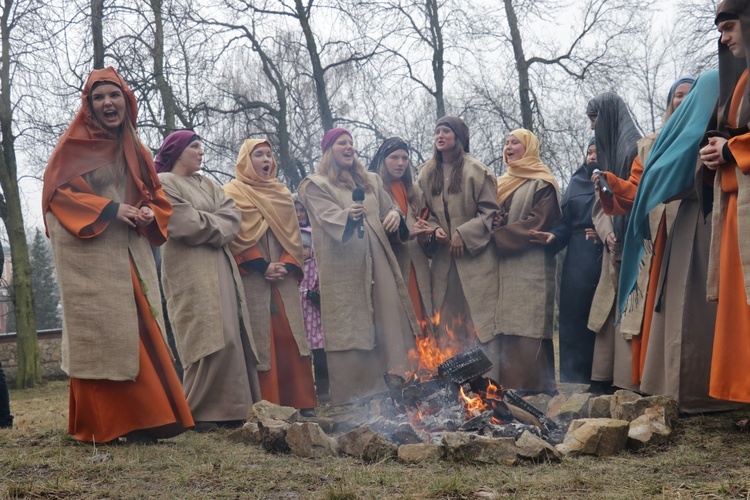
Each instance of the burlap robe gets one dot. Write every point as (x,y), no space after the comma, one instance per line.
(258,289)
(526,302)
(468,212)
(411,253)
(606,289)
(717,222)
(345,265)
(100,319)
(204,222)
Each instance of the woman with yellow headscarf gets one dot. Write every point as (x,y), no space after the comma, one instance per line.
(268,250)
(529,201)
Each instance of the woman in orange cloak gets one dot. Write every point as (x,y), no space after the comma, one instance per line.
(104,207)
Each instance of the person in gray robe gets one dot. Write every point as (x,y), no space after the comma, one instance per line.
(203,289)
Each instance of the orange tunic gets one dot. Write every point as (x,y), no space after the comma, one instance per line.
(621,203)
(731,353)
(398,191)
(103,410)
(289,382)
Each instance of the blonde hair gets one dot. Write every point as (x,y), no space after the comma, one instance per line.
(355,177)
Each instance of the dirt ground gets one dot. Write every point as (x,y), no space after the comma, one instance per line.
(707,458)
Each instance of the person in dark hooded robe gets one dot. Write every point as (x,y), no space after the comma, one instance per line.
(616,143)
(616,147)
(580,271)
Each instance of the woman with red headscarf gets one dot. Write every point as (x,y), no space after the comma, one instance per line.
(368,321)
(103,206)
(203,289)
(268,250)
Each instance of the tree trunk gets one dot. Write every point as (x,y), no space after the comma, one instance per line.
(97,13)
(29,364)
(288,163)
(438,51)
(324,107)
(165,90)
(524,89)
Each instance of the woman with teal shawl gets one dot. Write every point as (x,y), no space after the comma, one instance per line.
(678,354)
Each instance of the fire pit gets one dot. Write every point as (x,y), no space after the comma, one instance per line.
(447,408)
(457,397)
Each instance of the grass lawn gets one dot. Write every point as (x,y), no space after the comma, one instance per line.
(706,459)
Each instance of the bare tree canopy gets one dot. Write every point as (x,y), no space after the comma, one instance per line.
(287,70)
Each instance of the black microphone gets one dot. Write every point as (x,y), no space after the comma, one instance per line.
(358,196)
(603,184)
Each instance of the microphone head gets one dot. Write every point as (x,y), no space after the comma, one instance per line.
(358,195)
(596,171)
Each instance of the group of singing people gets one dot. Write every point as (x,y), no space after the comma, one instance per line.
(362,261)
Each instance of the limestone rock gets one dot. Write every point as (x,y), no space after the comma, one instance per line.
(554,406)
(650,428)
(620,398)
(378,448)
(630,410)
(263,410)
(595,436)
(599,407)
(533,447)
(416,453)
(539,401)
(308,440)
(405,434)
(353,442)
(247,434)
(576,406)
(273,435)
(325,423)
(470,448)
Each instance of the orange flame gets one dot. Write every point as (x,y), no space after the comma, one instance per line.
(473,405)
(492,391)
(427,355)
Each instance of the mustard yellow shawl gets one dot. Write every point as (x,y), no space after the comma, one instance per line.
(528,167)
(264,203)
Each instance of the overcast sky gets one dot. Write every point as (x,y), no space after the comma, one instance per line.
(31,187)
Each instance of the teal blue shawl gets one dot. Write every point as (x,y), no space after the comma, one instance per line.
(669,170)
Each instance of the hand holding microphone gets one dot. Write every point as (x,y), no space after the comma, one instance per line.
(357,211)
(600,180)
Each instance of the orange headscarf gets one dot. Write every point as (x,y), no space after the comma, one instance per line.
(86,146)
(528,167)
(264,203)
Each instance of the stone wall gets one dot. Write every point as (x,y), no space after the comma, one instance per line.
(49,349)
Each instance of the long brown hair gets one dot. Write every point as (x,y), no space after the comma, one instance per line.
(434,168)
(355,177)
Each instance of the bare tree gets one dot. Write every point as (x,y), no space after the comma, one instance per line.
(97,19)
(602,27)
(15,20)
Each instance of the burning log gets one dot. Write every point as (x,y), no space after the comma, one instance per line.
(521,404)
(465,366)
(418,392)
